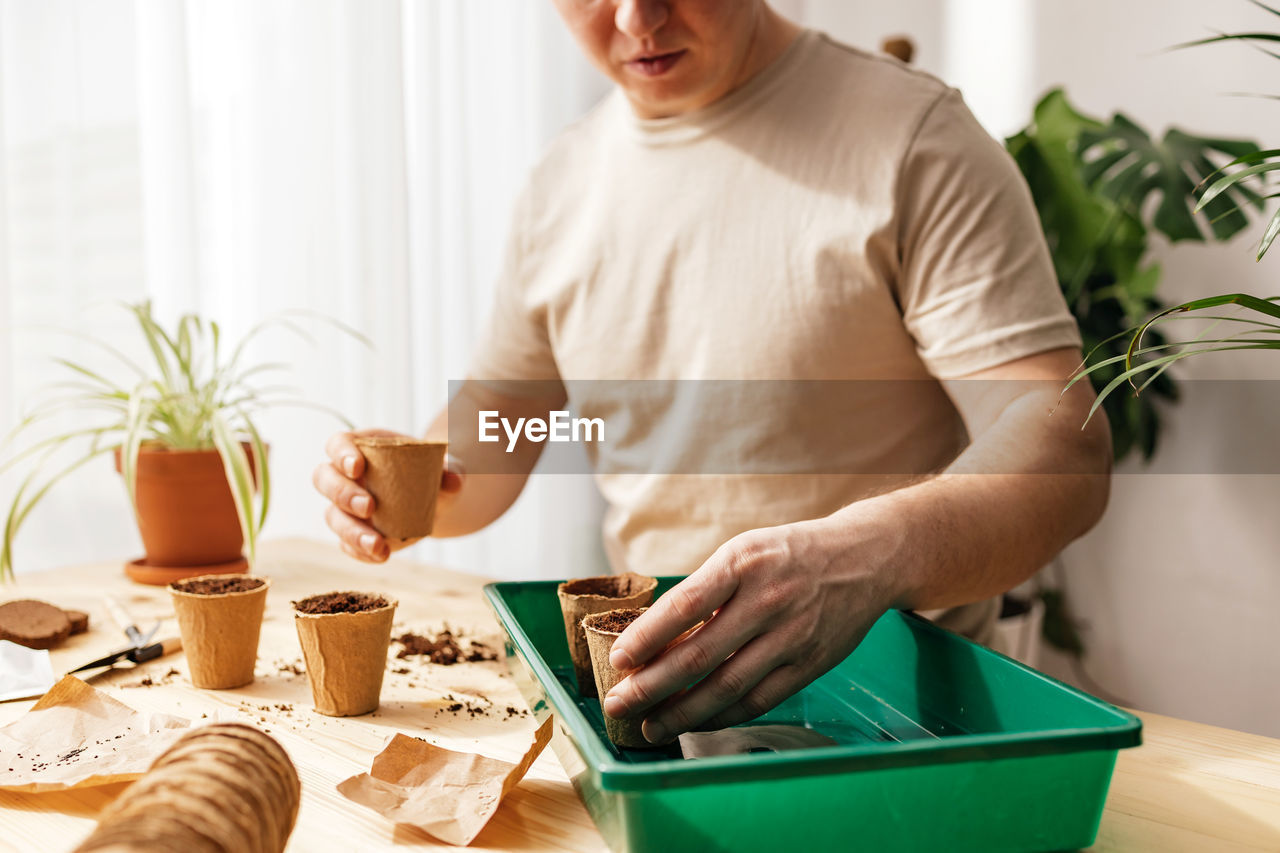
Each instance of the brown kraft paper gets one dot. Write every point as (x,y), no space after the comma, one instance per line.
(451,795)
(76,736)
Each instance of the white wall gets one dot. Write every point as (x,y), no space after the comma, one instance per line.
(1180,583)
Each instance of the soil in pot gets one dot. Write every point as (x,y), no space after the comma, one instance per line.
(584,596)
(220,618)
(344,637)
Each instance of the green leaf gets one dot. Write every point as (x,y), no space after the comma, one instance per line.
(1262,5)
(1252,303)
(55,441)
(239,477)
(1126,165)
(264,471)
(140,409)
(18,510)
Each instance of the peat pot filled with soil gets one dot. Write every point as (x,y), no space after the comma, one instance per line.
(344,637)
(584,596)
(220,618)
(601,630)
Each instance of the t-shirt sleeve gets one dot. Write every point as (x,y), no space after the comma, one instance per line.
(514,352)
(976,284)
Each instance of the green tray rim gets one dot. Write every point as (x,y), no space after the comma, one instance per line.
(620,776)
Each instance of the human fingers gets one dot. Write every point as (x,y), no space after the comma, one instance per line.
(770,692)
(682,664)
(357,538)
(453,477)
(343,453)
(725,686)
(342,492)
(686,604)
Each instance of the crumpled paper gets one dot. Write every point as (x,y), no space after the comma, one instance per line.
(76,736)
(451,795)
(24,672)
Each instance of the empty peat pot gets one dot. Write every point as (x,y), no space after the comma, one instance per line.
(584,596)
(344,637)
(601,630)
(220,618)
(403,476)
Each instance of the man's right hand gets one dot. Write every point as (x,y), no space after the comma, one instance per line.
(351,505)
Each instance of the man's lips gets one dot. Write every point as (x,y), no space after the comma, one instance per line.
(654,65)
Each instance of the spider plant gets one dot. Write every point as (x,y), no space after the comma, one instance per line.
(1146,359)
(196,394)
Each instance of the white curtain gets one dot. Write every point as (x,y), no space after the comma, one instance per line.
(240,158)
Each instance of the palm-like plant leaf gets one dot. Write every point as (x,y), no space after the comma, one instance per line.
(1227,191)
(1124,163)
(1112,182)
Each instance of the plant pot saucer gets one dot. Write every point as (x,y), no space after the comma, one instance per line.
(141,571)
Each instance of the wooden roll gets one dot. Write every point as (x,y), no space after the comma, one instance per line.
(224,788)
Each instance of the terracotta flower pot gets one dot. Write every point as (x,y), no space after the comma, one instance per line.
(185,514)
(220,618)
(344,638)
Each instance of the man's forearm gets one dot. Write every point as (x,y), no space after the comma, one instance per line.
(1029,485)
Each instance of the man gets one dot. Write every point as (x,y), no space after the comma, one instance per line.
(756,202)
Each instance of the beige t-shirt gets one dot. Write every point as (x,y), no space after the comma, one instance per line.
(839,217)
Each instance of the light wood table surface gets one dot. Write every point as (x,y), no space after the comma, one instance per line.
(1189,787)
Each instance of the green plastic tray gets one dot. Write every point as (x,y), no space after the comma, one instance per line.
(941,744)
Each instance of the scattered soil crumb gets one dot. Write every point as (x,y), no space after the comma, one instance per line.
(293,667)
(445,648)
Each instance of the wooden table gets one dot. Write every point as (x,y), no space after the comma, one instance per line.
(1190,787)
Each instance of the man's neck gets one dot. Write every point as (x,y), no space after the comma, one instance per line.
(774,35)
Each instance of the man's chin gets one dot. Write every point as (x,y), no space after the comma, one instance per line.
(651,100)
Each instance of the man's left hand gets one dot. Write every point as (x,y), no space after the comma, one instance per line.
(782,606)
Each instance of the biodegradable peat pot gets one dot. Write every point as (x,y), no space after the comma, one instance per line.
(584,596)
(344,637)
(220,617)
(601,630)
(403,475)
(186,515)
